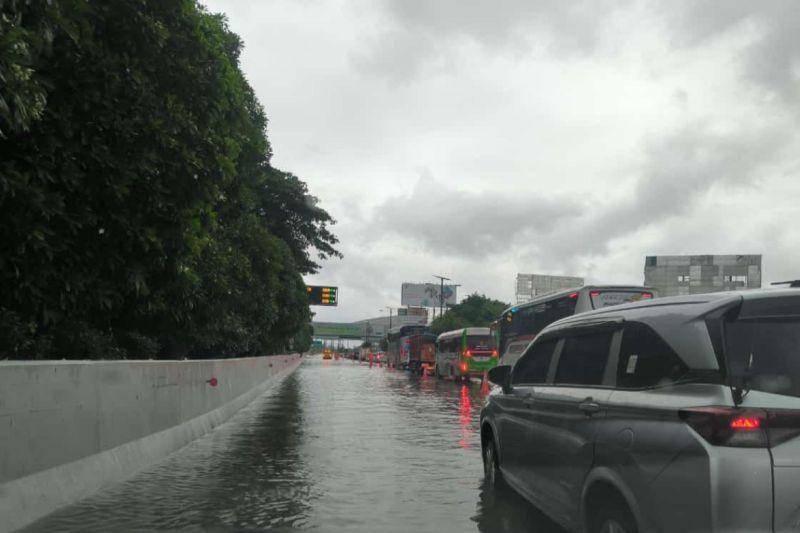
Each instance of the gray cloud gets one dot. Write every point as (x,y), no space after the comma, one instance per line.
(467,224)
(771,59)
(677,173)
(421,33)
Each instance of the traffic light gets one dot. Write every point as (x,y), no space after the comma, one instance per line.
(318,295)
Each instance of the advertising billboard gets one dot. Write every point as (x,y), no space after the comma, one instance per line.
(426,294)
(412,311)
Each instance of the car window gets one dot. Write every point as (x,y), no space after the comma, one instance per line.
(764,354)
(583,359)
(532,367)
(646,360)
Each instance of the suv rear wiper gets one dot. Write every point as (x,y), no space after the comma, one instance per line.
(740,392)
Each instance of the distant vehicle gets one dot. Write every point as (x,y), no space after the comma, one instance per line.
(678,414)
(397,354)
(466,352)
(520,324)
(421,352)
(327,353)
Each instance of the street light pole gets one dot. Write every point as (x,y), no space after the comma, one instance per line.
(441,292)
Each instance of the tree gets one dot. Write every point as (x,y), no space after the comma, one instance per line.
(474,311)
(139,211)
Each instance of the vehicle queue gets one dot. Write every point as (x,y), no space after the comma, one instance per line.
(471,352)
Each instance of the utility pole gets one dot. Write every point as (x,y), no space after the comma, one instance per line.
(441,292)
(390,314)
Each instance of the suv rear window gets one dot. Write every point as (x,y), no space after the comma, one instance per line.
(646,360)
(765,352)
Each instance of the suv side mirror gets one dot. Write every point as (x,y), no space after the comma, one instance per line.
(501,375)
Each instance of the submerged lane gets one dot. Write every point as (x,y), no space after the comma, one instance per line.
(336,446)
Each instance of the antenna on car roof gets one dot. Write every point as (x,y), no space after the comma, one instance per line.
(795,284)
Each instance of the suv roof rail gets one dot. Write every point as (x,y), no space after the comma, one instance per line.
(794,284)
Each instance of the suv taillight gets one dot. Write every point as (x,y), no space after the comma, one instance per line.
(743,428)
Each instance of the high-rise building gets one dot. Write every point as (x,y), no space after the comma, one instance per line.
(673,275)
(532,285)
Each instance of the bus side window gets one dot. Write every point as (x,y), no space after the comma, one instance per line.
(561,308)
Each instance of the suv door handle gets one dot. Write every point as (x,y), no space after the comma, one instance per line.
(527,401)
(589,407)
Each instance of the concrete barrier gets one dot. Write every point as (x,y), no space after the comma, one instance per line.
(69,428)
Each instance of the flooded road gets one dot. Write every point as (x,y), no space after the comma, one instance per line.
(336,446)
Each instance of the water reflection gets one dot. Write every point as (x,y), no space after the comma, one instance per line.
(501,510)
(465,417)
(246,474)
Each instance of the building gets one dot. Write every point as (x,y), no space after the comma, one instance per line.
(673,275)
(531,285)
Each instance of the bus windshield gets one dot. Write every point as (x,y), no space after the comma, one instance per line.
(602,299)
(480,342)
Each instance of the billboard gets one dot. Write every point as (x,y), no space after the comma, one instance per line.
(318,295)
(426,294)
(412,311)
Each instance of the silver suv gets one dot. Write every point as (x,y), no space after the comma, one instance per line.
(675,414)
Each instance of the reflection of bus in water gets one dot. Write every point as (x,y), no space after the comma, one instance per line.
(519,324)
(399,351)
(465,352)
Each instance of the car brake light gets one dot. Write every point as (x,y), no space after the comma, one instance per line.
(646,296)
(573,295)
(464,367)
(494,353)
(745,423)
(594,294)
(727,426)
(467,353)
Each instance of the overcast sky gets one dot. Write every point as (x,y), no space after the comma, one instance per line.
(481,139)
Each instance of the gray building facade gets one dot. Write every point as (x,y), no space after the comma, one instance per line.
(673,275)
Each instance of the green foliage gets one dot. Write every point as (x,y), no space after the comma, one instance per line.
(474,311)
(139,212)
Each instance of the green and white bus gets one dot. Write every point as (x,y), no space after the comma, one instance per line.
(466,352)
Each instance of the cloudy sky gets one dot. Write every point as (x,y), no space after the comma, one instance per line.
(478,139)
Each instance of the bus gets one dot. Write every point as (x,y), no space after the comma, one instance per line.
(519,325)
(465,352)
(398,350)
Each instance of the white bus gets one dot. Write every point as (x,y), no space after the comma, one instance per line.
(520,324)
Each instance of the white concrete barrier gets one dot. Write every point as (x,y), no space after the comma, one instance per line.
(69,428)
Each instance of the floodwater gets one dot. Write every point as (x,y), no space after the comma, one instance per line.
(336,446)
